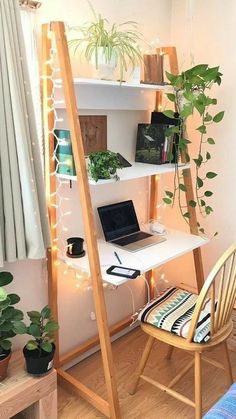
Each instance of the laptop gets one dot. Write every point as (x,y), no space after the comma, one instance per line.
(121,228)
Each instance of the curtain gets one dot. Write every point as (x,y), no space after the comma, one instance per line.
(29,26)
(24,229)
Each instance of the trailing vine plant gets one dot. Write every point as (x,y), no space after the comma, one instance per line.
(191,94)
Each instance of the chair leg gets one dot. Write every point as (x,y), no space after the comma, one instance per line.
(142,364)
(169,352)
(198,385)
(227,365)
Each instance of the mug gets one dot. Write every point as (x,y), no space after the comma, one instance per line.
(75,247)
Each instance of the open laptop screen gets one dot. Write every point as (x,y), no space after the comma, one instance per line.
(118,220)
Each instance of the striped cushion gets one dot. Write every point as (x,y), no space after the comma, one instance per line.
(225,408)
(172,311)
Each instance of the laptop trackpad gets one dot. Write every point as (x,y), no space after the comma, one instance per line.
(134,247)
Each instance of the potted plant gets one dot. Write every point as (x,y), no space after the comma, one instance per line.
(39,352)
(103,165)
(107,47)
(191,95)
(10,322)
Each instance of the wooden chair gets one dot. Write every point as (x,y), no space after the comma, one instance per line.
(222,282)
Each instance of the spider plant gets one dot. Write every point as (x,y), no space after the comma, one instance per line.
(119,41)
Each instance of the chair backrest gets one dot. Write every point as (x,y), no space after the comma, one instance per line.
(223,277)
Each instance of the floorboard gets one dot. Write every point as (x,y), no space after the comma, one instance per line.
(148,402)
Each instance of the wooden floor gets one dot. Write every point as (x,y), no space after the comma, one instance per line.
(148,402)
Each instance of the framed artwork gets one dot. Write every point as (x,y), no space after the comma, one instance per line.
(150,143)
(94,132)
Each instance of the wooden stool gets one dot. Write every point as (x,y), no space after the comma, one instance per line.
(20,391)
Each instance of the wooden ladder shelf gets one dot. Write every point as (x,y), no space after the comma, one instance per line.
(109,408)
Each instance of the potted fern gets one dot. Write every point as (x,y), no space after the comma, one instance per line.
(10,322)
(39,351)
(191,95)
(107,47)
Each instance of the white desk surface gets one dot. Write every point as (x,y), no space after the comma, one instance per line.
(177,244)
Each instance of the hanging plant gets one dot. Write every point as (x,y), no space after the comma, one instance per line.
(191,95)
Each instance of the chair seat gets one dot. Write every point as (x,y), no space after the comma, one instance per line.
(172,311)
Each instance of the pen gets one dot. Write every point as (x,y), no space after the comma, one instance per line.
(117,257)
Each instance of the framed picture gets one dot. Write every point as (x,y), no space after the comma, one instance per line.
(94,132)
(152,144)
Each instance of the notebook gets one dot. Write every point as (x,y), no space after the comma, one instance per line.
(121,228)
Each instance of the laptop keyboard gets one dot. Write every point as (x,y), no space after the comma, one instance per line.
(132,239)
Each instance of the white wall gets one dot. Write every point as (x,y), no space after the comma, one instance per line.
(207,30)
(30,276)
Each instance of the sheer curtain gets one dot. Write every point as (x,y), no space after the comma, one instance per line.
(24,229)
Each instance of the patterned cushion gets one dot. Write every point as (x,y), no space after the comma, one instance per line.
(225,408)
(172,311)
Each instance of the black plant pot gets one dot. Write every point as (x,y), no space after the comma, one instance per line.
(38,365)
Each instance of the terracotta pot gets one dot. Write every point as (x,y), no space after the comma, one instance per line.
(4,365)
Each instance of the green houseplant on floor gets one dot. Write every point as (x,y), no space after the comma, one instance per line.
(108,46)
(39,351)
(10,322)
(191,95)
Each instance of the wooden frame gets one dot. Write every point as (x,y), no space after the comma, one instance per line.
(109,408)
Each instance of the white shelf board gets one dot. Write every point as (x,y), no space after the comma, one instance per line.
(111,83)
(137,170)
(111,95)
(177,244)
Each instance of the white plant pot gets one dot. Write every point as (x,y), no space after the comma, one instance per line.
(105,69)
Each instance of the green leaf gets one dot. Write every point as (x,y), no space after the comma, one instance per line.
(34,330)
(4,304)
(199,182)
(211,175)
(3,294)
(171,97)
(218,117)
(199,69)
(192,203)
(167,201)
(208,210)
(6,326)
(199,106)
(5,278)
(202,230)
(202,203)
(6,344)
(14,298)
(46,312)
(31,345)
(208,193)
(169,194)
(182,187)
(208,117)
(34,315)
(202,129)
(186,111)
(210,141)
(46,346)
(169,113)
(51,327)
(208,156)
(19,327)
(187,215)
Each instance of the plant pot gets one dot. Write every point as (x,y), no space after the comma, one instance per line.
(104,67)
(38,365)
(4,365)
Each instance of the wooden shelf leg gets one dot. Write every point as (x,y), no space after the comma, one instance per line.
(45,408)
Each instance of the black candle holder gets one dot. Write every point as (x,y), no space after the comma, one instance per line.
(75,247)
